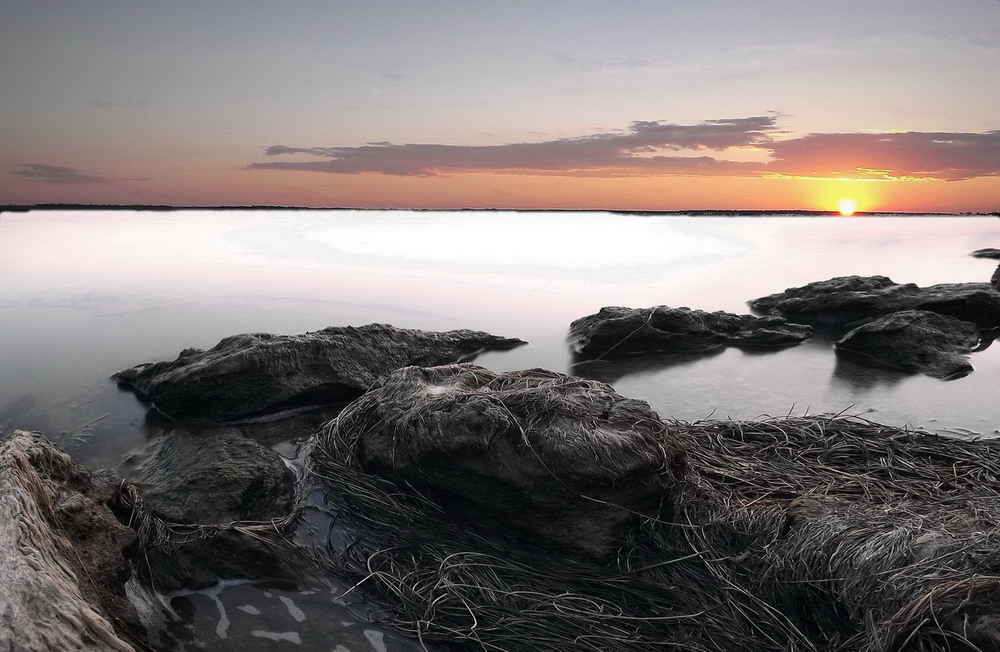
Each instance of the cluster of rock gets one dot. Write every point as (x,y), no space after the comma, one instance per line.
(931,330)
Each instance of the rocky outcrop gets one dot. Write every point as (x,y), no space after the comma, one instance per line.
(915,340)
(549,458)
(847,301)
(62,553)
(617,331)
(214,478)
(254,374)
(989,252)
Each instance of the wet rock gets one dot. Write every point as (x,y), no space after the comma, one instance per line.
(214,478)
(253,374)
(63,553)
(617,331)
(547,458)
(915,340)
(847,301)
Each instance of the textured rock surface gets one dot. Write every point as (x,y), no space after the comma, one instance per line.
(851,300)
(214,478)
(915,340)
(258,373)
(617,331)
(62,553)
(552,458)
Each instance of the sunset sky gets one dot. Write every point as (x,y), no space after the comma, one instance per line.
(624,104)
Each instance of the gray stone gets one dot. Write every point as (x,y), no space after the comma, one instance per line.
(254,374)
(617,331)
(209,478)
(213,478)
(553,459)
(63,554)
(915,340)
(847,301)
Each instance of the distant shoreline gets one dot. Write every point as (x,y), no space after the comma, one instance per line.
(14,208)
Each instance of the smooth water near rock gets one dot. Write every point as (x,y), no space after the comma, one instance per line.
(84,294)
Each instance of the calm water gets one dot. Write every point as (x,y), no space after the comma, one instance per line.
(84,294)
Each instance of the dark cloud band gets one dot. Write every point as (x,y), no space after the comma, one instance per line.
(59,175)
(657,148)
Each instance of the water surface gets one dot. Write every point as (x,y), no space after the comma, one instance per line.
(85,294)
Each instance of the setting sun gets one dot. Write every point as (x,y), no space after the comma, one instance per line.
(847,206)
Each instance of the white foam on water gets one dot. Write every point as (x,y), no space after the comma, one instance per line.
(291,637)
(221,627)
(377,640)
(293,610)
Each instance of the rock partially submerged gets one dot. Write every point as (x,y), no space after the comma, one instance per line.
(554,459)
(62,553)
(847,301)
(216,477)
(254,374)
(915,340)
(616,331)
(814,533)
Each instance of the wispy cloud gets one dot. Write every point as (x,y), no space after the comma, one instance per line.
(637,149)
(59,175)
(658,148)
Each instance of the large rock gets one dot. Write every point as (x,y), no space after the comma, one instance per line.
(851,300)
(617,331)
(217,477)
(915,340)
(62,553)
(549,458)
(206,478)
(254,374)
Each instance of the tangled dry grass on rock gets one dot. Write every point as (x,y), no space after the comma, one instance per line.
(799,533)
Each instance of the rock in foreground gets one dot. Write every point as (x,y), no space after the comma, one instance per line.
(915,340)
(254,374)
(215,478)
(846,301)
(617,331)
(553,459)
(62,553)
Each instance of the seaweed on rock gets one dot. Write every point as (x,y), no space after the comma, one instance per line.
(799,533)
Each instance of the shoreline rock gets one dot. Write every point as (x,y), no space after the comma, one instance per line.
(848,301)
(552,458)
(63,553)
(255,374)
(915,340)
(616,331)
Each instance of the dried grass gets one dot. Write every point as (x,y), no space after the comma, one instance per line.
(796,533)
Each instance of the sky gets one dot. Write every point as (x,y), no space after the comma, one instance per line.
(525,104)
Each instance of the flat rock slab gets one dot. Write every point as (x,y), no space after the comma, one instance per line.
(557,459)
(847,301)
(989,252)
(62,553)
(616,331)
(915,340)
(255,374)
